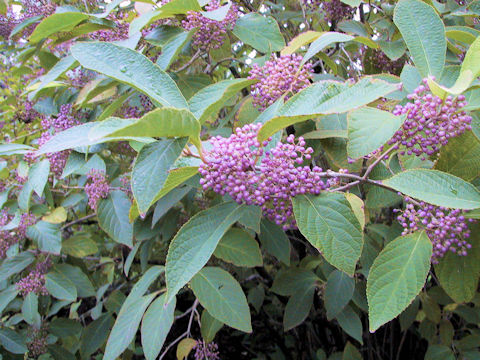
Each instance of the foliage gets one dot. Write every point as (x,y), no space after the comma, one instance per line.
(240,179)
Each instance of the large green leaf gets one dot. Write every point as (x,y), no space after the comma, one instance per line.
(37,178)
(60,286)
(351,323)
(222,296)
(469,71)
(64,21)
(436,187)
(368,129)
(130,67)
(126,326)
(156,324)
(164,122)
(13,341)
(79,279)
(458,275)
(324,40)
(58,69)
(210,326)
(461,157)
(172,48)
(151,169)
(323,98)
(298,307)
(95,335)
(112,214)
(329,223)
(239,248)
(338,292)
(424,33)
(30,309)
(260,32)
(195,243)
(47,236)
(7,296)
(209,100)
(15,264)
(397,276)
(275,241)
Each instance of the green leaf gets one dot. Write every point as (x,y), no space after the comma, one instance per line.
(15,264)
(439,352)
(151,169)
(30,309)
(436,187)
(79,246)
(239,248)
(58,69)
(7,296)
(260,32)
(195,243)
(126,326)
(210,326)
(393,49)
(469,71)
(57,22)
(209,100)
(172,48)
(458,275)
(298,307)
(164,122)
(143,284)
(351,323)
(397,276)
(63,327)
(156,325)
(424,33)
(461,157)
(95,335)
(222,296)
(60,286)
(351,353)
(13,149)
(130,67)
(368,129)
(324,40)
(338,292)
(47,236)
(112,214)
(78,278)
(12,341)
(292,280)
(323,98)
(329,223)
(275,241)
(37,178)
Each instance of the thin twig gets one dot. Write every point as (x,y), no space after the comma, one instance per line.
(190,62)
(78,220)
(171,344)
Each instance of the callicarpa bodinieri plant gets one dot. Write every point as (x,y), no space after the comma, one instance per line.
(239,179)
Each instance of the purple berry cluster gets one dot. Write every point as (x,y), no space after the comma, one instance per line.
(7,23)
(35,280)
(210,33)
(335,11)
(430,122)
(96,188)
(79,77)
(11,237)
(278,76)
(37,341)
(206,351)
(446,228)
(27,114)
(240,167)
(384,64)
(119,32)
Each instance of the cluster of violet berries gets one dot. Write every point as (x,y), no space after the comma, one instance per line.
(210,33)
(336,11)
(446,228)
(430,122)
(279,76)
(119,32)
(34,282)
(206,351)
(37,341)
(96,188)
(240,167)
(52,125)
(11,237)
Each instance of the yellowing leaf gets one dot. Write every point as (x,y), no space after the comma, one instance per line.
(184,347)
(57,216)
